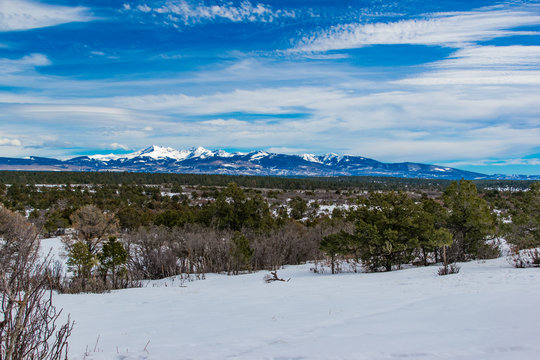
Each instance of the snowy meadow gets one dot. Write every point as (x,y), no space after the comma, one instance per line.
(487,311)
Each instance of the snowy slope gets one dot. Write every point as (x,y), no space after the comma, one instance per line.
(487,311)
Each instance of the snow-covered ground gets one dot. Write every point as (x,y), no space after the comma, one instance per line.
(487,311)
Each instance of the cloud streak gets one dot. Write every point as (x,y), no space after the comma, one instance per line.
(16,15)
(483,65)
(444,29)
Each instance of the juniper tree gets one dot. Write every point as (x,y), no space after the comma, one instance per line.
(298,207)
(240,253)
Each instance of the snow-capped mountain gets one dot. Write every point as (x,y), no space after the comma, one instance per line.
(203,161)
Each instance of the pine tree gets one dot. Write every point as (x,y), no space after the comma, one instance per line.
(335,245)
(386,229)
(81,261)
(113,258)
(471,221)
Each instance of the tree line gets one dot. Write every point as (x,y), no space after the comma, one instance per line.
(371,183)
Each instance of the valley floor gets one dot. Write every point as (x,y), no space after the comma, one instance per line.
(487,311)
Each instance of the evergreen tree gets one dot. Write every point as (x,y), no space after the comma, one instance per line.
(113,258)
(234,210)
(240,253)
(386,229)
(298,207)
(432,234)
(81,262)
(335,245)
(470,221)
(523,232)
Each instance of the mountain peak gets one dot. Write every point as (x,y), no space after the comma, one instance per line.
(201,153)
(257,155)
(311,158)
(157,153)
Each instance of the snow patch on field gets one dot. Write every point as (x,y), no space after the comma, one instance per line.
(55,249)
(487,311)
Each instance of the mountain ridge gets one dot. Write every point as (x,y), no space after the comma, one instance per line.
(203,161)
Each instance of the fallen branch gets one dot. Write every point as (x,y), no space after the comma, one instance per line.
(273,276)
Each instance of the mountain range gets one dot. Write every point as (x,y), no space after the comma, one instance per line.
(203,161)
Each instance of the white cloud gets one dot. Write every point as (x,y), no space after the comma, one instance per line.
(493,56)
(475,77)
(226,123)
(9,66)
(444,29)
(484,65)
(116,146)
(25,14)
(263,101)
(10,142)
(184,12)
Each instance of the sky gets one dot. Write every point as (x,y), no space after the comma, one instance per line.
(453,83)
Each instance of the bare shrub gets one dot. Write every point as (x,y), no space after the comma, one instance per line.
(525,258)
(93,226)
(152,253)
(29,328)
(448,269)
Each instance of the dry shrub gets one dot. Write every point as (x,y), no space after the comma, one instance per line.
(29,328)
(525,258)
(448,269)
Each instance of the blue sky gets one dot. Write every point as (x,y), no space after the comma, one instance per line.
(454,83)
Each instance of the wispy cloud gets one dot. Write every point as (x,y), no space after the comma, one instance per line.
(181,12)
(262,101)
(484,65)
(493,56)
(498,162)
(9,66)
(445,29)
(24,14)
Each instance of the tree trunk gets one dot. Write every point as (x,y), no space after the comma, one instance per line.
(445,260)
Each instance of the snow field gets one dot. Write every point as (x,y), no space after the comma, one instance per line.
(487,311)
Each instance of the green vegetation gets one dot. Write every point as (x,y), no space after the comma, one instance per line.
(173,225)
